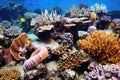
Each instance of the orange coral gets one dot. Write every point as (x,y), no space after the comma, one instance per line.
(9,74)
(102,45)
(22,41)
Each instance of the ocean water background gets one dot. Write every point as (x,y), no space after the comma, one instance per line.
(64,4)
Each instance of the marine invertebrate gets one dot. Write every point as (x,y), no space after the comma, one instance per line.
(36,57)
(116,21)
(9,74)
(91,29)
(12,32)
(6,24)
(20,46)
(117,30)
(45,18)
(74,12)
(60,50)
(100,9)
(103,45)
(103,72)
(71,59)
(39,70)
(66,39)
(6,56)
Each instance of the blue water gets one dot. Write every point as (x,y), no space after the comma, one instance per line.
(64,4)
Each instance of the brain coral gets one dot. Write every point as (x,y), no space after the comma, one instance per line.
(102,45)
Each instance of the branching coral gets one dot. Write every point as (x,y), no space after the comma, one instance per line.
(9,74)
(103,72)
(45,18)
(102,45)
(99,9)
(76,12)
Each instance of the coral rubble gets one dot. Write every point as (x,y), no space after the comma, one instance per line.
(102,45)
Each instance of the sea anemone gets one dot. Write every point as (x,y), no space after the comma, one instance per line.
(103,45)
(37,56)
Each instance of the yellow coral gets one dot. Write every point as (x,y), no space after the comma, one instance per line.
(9,74)
(102,45)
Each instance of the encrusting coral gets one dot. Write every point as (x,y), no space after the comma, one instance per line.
(102,45)
(71,59)
(20,46)
(9,74)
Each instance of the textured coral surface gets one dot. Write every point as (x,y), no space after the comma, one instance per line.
(102,45)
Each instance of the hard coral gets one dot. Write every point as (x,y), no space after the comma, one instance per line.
(12,31)
(71,59)
(20,46)
(102,45)
(103,72)
(9,74)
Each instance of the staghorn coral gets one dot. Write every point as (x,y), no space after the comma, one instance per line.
(99,9)
(71,59)
(103,72)
(9,74)
(102,45)
(12,32)
(76,12)
(45,18)
(20,46)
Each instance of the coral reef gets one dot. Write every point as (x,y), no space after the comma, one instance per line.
(103,72)
(71,59)
(20,46)
(15,11)
(36,57)
(9,74)
(99,9)
(91,29)
(39,70)
(6,24)
(103,45)
(116,21)
(82,5)
(75,11)
(12,32)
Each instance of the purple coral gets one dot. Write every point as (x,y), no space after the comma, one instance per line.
(106,18)
(103,72)
(6,24)
(12,32)
(37,71)
(67,39)
(91,29)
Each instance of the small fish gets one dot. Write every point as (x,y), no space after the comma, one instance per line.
(22,19)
